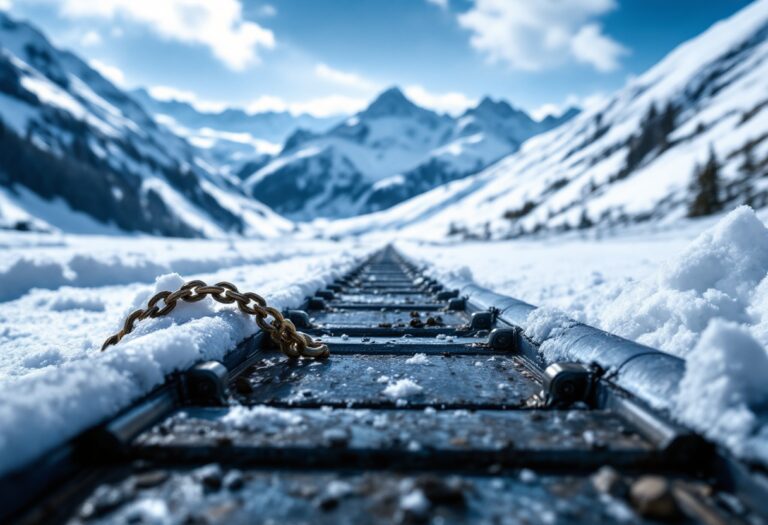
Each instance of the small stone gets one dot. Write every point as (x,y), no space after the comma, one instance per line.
(441,491)
(210,477)
(652,497)
(105,500)
(224,441)
(608,481)
(336,437)
(527,476)
(149,479)
(234,480)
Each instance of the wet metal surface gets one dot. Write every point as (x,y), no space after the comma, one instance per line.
(393,318)
(362,381)
(451,439)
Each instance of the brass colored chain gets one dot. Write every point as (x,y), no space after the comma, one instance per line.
(282,331)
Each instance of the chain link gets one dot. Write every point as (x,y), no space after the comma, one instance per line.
(282,331)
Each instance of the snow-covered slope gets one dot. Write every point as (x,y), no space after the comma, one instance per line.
(76,149)
(631,158)
(232,139)
(385,154)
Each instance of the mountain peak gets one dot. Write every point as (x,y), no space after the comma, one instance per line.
(391,102)
(500,107)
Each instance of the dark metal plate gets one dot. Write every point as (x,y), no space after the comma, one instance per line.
(375,318)
(402,439)
(363,381)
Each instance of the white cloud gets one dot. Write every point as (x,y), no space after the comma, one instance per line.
(267,11)
(90,39)
(329,106)
(5,5)
(111,73)
(451,102)
(219,24)
(591,46)
(542,34)
(181,95)
(442,4)
(318,107)
(267,103)
(545,110)
(343,78)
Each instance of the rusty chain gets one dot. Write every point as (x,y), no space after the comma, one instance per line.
(282,331)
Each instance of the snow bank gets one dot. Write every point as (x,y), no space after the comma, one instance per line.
(714,278)
(725,386)
(125,261)
(55,387)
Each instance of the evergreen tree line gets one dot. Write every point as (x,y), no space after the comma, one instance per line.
(710,194)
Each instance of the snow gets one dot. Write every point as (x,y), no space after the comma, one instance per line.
(54,382)
(415,501)
(698,291)
(723,387)
(714,277)
(417,359)
(402,388)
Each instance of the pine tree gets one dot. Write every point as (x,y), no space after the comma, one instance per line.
(706,188)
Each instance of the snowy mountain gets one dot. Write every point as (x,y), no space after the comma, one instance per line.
(232,139)
(688,137)
(385,154)
(79,154)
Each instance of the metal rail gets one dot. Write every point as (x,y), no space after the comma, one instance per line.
(433,407)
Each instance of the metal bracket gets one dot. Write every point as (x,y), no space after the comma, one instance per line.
(459,304)
(481,321)
(206,384)
(505,339)
(448,294)
(325,294)
(316,303)
(567,383)
(299,318)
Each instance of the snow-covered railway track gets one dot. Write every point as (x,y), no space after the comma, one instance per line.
(431,408)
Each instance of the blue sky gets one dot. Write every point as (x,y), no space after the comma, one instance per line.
(331,56)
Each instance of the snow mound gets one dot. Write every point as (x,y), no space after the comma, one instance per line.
(417,359)
(715,277)
(545,322)
(402,388)
(724,387)
(260,417)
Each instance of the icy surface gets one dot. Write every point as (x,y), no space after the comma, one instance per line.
(54,382)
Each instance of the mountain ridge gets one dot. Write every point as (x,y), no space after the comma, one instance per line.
(391,150)
(70,135)
(636,157)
